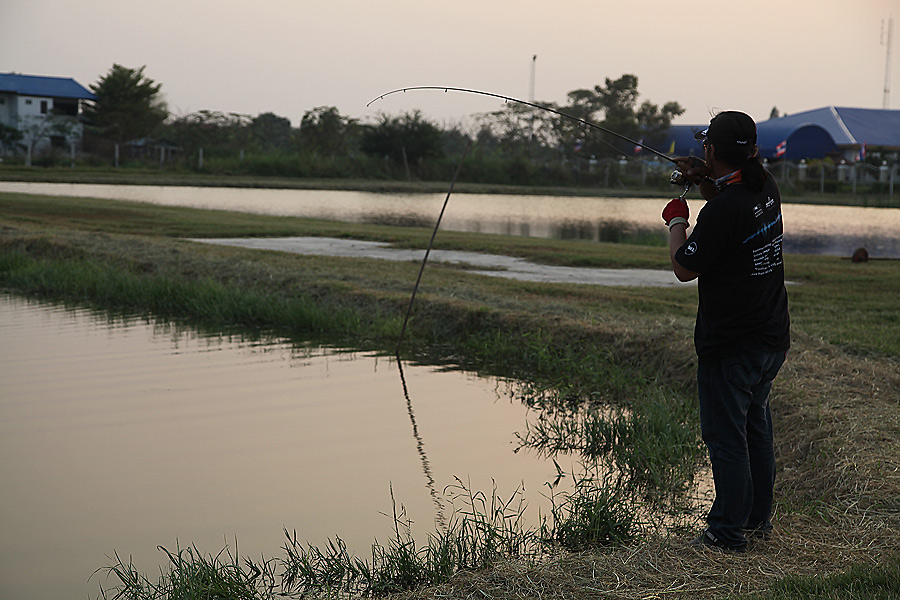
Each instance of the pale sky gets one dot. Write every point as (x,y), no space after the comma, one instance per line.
(290,56)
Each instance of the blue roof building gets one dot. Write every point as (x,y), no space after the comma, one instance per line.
(45,110)
(838,132)
(43,87)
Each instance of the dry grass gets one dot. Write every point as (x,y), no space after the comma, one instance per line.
(838,500)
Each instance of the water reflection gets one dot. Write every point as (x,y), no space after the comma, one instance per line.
(833,230)
(440,519)
(118,434)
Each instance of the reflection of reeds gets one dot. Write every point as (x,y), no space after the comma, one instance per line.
(655,448)
(619,232)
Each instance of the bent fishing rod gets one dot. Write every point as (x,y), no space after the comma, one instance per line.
(676,177)
(532,105)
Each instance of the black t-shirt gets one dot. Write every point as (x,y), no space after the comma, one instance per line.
(736,248)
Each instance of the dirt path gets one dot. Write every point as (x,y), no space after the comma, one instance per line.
(494,265)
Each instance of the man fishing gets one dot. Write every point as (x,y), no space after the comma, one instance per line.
(742,332)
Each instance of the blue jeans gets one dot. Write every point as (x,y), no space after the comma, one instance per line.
(736,424)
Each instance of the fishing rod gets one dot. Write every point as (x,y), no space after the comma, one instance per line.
(533,105)
(437,224)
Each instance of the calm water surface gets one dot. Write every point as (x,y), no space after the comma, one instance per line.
(121,434)
(833,230)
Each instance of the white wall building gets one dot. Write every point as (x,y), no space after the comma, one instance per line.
(46,111)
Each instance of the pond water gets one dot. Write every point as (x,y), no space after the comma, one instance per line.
(119,434)
(809,229)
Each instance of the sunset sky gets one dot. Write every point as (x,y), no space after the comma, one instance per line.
(290,56)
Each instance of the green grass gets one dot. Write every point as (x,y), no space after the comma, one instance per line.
(611,369)
(202,300)
(191,575)
(857,582)
(852,305)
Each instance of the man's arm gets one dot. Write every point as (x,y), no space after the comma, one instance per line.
(675,215)
(677,237)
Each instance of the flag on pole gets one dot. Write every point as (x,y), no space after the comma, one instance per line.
(781,149)
(672,148)
(637,149)
(861,155)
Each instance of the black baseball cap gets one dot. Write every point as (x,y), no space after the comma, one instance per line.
(730,128)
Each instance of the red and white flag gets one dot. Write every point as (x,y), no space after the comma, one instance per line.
(781,149)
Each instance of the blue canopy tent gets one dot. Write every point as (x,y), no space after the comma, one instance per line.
(816,133)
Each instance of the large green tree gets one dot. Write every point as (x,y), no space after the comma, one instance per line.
(215,132)
(614,105)
(269,132)
(324,131)
(410,136)
(128,105)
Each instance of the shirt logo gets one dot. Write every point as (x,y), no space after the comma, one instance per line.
(690,248)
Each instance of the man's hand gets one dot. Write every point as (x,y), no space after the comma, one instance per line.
(675,212)
(696,171)
(693,168)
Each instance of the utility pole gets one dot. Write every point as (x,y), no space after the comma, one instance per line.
(531,87)
(531,94)
(887,61)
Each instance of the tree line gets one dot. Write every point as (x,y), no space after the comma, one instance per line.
(517,144)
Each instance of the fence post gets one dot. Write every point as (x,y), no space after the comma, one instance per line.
(891,184)
(405,163)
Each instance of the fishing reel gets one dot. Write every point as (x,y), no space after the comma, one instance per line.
(678,178)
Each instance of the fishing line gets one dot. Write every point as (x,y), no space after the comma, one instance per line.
(428,250)
(533,105)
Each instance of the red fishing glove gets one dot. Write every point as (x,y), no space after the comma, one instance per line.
(675,212)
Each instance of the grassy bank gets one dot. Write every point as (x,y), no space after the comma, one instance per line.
(837,404)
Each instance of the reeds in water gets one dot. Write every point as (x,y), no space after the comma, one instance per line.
(484,530)
(191,575)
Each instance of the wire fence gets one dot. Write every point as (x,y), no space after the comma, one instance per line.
(876,185)
(825,177)
(873,185)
